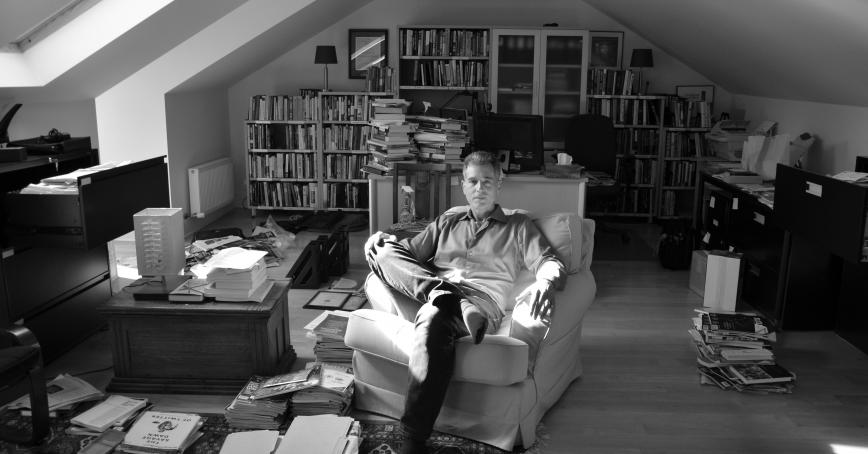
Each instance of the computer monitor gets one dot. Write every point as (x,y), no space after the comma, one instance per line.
(517,138)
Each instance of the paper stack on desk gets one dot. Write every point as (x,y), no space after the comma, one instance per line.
(235,274)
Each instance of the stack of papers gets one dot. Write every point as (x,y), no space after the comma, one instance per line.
(321,434)
(235,274)
(64,392)
(115,411)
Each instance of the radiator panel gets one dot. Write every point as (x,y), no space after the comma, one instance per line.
(211,186)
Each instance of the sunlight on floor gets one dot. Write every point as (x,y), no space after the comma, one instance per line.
(845,449)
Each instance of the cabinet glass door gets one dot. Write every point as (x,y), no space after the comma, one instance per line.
(564,75)
(515,74)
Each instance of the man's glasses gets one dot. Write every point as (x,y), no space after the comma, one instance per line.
(473,182)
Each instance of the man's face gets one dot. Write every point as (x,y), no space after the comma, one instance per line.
(481,188)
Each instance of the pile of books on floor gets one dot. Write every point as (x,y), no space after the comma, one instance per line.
(162,432)
(439,139)
(330,393)
(235,274)
(734,352)
(390,138)
(116,412)
(265,402)
(328,330)
(320,434)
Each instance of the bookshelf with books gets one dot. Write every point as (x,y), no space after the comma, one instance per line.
(639,124)
(305,152)
(540,71)
(437,62)
(683,153)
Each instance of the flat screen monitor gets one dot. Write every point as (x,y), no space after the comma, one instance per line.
(516,138)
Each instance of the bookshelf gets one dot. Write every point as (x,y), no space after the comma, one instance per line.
(304,151)
(639,122)
(683,153)
(437,62)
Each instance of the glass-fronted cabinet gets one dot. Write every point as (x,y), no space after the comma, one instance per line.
(540,72)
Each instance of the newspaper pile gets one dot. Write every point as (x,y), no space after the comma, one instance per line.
(332,393)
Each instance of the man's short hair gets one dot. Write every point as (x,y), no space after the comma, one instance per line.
(484,158)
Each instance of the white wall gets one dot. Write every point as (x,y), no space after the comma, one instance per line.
(78,118)
(296,69)
(840,131)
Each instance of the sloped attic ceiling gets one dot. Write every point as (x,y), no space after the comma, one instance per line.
(810,50)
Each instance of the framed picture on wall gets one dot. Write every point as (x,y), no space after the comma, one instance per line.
(607,49)
(697,93)
(368,47)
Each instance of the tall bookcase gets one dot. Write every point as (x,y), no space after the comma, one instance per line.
(305,152)
(436,63)
(682,155)
(639,124)
(540,71)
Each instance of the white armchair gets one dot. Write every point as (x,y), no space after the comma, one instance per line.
(502,387)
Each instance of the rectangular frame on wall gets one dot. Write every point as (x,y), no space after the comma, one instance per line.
(367,47)
(602,43)
(697,93)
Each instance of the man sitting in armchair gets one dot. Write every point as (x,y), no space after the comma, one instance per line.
(460,270)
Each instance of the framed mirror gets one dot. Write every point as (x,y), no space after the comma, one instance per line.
(368,47)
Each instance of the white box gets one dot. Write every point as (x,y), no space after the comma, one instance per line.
(722,280)
(698,265)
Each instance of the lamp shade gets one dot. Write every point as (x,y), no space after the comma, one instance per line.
(642,58)
(326,55)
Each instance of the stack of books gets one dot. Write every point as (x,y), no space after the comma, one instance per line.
(390,140)
(263,402)
(439,139)
(331,393)
(734,351)
(235,274)
(162,432)
(328,330)
(115,412)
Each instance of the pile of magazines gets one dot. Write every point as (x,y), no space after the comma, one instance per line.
(734,352)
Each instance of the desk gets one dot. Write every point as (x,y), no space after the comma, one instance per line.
(210,348)
(784,277)
(532,192)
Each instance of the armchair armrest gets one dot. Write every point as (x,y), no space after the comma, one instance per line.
(18,335)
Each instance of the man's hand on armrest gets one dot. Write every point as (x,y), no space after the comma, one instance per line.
(541,297)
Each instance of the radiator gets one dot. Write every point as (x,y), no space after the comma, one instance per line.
(211,187)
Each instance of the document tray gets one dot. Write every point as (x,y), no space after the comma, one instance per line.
(101,211)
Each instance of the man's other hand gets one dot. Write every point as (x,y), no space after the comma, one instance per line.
(378,239)
(541,296)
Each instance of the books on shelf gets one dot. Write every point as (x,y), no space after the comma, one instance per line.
(114,411)
(162,432)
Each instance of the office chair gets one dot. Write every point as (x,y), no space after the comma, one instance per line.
(20,358)
(591,140)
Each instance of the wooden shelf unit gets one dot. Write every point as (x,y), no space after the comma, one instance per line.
(304,152)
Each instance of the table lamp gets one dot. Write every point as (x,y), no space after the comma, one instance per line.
(159,252)
(326,55)
(642,58)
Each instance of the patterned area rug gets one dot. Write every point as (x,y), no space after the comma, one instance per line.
(377,438)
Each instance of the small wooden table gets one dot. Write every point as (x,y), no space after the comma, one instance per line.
(203,348)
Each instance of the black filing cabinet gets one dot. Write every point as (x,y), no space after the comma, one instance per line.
(54,270)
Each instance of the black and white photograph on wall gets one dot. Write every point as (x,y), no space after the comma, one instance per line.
(606,49)
(368,48)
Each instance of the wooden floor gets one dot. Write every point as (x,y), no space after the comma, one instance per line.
(640,391)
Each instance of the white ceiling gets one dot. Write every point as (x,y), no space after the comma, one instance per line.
(19,17)
(810,50)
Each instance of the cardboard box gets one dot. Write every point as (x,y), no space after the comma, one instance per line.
(698,264)
(723,280)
